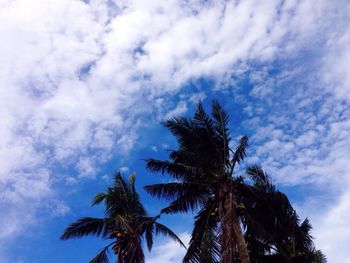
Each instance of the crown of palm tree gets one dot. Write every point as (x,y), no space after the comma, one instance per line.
(203,166)
(126,223)
(274,232)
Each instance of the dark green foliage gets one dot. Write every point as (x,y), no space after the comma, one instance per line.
(101,257)
(126,223)
(87,226)
(204,246)
(237,220)
(273,229)
(203,169)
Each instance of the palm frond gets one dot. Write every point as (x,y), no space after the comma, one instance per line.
(260,178)
(221,120)
(171,191)
(204,244)
(303,238)
(102,256)
(86,226)
(185,203)
(149,229)
(122,199)
(257,174)
(98,199)
(202,120)
(199,143)
(180,127)
(122,185)
(176,170)
(306,226)
(319,257)
(240,152)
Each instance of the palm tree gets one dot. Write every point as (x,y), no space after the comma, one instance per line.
(203,167)
(126,223)
(273,229)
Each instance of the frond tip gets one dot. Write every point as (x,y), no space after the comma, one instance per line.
(240,152)
(98,199)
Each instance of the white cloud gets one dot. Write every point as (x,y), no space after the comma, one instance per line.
(302,142)
(80,76)
(336,72)
(71,180)
(105,177)
(154,148)
(58,208)
(180,108)
(86,168)
(332,227)
(169,251)
(42,53)
(124,169)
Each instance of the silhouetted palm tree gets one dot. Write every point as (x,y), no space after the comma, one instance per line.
(126,223)
(203,167)
(274,233)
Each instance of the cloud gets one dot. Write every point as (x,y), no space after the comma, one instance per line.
(124,169)
(81,76)
(332,227)
(58,208)
(169,251)
(335,71)
(180,108)
(37,49)
(320,164)
(154,148)
(301,137)
(86,167)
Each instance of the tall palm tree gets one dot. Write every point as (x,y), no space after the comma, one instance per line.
(273,229)
(126,223)
(203,167)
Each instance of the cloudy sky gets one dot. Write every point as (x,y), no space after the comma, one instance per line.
(84,86)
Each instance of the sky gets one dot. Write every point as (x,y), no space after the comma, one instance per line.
(85,85)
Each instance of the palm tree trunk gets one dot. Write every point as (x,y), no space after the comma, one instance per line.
(233,244)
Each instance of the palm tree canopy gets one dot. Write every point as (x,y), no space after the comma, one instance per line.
(203,166)
(202,162)
(274,232)
(203,169)
(126,223)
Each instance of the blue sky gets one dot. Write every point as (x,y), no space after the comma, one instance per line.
(84,86)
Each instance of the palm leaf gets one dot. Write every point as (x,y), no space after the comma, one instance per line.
(122,200)
(102,256)
(240,152)
(171,191)
(221,120)
(201,120)
(204,245)
(319,257)
(86,226)
(260,178)
(177,170)
(149,235)
(185,203)
(98,199)
(181,128)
